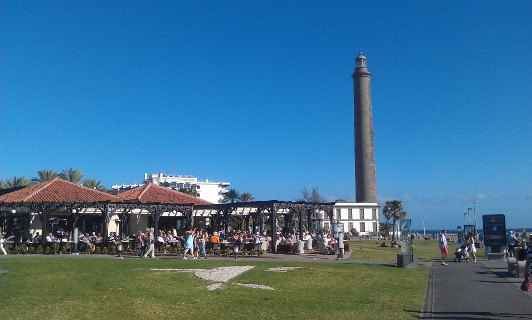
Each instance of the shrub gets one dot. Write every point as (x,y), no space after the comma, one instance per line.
(39,250)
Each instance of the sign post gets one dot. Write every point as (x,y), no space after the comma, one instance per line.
(340,230)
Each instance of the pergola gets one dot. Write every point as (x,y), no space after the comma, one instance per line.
(62,198)
(258,210)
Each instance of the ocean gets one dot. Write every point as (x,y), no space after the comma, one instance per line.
(454,231)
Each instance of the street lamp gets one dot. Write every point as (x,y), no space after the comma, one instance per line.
(75,236)
(475,213)
(424,228)
(469,215)
(464,220)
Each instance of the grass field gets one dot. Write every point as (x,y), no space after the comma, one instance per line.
(426,250)
(98,288)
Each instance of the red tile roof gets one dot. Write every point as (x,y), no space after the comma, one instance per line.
(57,190)
(153,193)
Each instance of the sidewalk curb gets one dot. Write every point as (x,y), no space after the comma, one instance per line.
(428,299)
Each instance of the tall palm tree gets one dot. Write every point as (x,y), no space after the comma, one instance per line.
(17,182)
(44,175)
(72,175)
(93,184)
(394,210)
(246,197)
(231,195)
(3,184)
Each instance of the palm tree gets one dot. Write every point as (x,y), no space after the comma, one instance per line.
(93,184)
(246,197)
(3,184)
(72,175)
(394,210)
(231,195)
(17,182)
(44,175)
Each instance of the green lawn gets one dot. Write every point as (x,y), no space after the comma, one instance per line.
(426,250)
(98,288)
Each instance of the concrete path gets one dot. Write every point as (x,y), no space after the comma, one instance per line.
(482,290)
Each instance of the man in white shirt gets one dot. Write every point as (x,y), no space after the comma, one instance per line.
(50,237)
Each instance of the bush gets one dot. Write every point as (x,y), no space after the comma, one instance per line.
(355,232)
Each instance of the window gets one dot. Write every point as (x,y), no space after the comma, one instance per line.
(361,214)
(350,212)
(338,214)
(326,225)
(362,227)
(374,213)
(374,226)
(350,226)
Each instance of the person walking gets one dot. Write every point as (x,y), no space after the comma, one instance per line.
(2,241)
(197,245)
(471,246)
(143,249)
(510,239)
(443,247)
(189,244)
(150,243)
(203,240)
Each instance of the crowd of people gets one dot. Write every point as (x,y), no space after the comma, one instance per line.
(194,241)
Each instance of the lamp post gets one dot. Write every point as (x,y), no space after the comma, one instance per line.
(464,220)
(475,213)
(118,238)
(75,235)
(424,228)
(469,215)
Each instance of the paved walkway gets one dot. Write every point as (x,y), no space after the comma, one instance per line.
(482,290)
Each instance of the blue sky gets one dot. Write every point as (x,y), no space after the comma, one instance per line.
(259,93)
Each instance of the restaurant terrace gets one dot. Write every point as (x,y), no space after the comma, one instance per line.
(61,205)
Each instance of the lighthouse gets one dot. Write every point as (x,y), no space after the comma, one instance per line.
(365,177)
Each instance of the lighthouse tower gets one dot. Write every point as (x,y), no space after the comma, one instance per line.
(365,177)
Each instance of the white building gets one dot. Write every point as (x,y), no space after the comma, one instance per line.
(364,217)
(212,191)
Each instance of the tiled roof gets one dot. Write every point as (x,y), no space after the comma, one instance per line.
(57,190)
(153,193)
